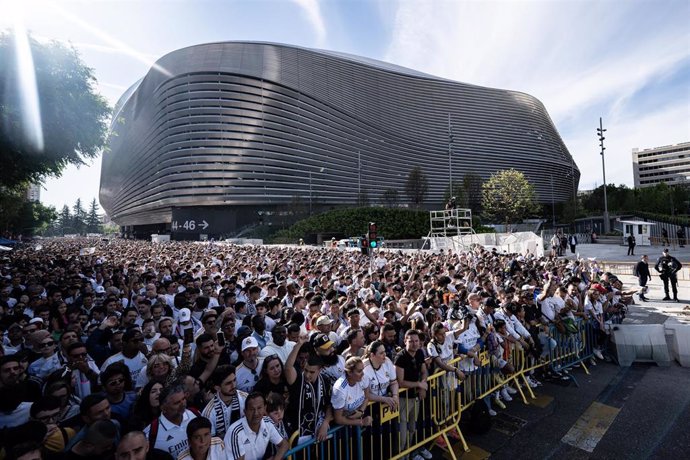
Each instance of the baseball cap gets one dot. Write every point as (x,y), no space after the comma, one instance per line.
(249,342)
(36,320)
(185,315)
(323,342)
(99,290)
(600,288)
(323,321)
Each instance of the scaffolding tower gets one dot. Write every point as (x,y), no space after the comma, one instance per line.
(450,228)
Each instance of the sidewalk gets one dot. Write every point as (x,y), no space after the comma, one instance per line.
(655,311)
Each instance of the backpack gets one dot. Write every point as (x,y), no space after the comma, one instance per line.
(479,421)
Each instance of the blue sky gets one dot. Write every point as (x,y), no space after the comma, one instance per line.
(627,61)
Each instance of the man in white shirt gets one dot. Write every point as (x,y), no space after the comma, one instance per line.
(279,346)
(248,438)
(168,432)
(131,355)
(248,372)
(227,405)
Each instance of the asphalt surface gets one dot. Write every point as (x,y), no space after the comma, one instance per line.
(652,416)
(637,412)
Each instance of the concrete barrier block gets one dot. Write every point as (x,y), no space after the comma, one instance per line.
(641,343)
(680,343)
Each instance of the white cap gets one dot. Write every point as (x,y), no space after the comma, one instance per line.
(36,320)
(185,315)
(249,342)
(323,320)
(100,290)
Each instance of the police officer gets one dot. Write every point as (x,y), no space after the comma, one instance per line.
(668,266)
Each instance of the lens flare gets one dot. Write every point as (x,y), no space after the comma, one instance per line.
(30,108)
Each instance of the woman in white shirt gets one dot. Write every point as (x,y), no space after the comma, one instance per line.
(379,373)
(350,395)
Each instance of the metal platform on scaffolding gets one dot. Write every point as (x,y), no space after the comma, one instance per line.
(450,229)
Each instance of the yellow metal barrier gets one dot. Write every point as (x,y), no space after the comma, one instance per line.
(420,422)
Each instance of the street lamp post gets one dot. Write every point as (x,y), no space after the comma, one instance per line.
(600,132)
(553,206)
(450,158)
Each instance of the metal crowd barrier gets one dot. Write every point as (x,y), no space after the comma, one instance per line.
(340,443)
(572,349)
(420,422)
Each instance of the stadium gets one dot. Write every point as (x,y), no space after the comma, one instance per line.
(224,135)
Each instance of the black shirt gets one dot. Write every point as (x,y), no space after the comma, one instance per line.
(412,367)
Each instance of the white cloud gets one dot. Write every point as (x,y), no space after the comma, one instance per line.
(313,11)
(581,59)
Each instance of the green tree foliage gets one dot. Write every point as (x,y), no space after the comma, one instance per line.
(416,186)
(472,192)
(508,197)
(93,219)
(363,198)
(78,217)
(73,116)
(64,221)
(21,217)
(393,223)
(390,197)
(660,199)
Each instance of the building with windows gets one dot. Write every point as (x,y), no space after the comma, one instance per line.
(221,136)
(669,164)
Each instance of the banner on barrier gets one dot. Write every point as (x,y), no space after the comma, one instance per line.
(387,414)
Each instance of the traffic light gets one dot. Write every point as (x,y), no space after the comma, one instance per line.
(373,243)
(365,246)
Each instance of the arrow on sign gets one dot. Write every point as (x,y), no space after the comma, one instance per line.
(203,225)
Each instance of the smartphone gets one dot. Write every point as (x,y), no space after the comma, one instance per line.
(221,339)
(188,335)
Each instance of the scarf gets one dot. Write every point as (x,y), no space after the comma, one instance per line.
(219,410)
(310,402)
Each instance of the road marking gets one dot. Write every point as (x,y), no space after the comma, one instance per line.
(541,401)
(586,433)
(475,453)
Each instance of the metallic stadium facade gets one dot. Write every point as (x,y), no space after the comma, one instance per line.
(246,128)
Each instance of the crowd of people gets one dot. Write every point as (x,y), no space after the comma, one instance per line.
(184,350)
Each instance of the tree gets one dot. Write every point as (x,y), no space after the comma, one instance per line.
(21,217)
(78,217)
(363,198)
(416,186)
(73,116)
(472,187)
(390,197)
(508,197)
(64,220)
(93,219)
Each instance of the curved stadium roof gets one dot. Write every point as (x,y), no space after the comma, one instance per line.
(248,123)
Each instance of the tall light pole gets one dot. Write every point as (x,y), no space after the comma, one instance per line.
(310,193)
(450,158)
(553,206)
(359,175)
(600,132)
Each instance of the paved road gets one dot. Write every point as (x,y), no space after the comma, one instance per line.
(624,413)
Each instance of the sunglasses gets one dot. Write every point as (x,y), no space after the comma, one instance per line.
(79,355)
(46,344)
